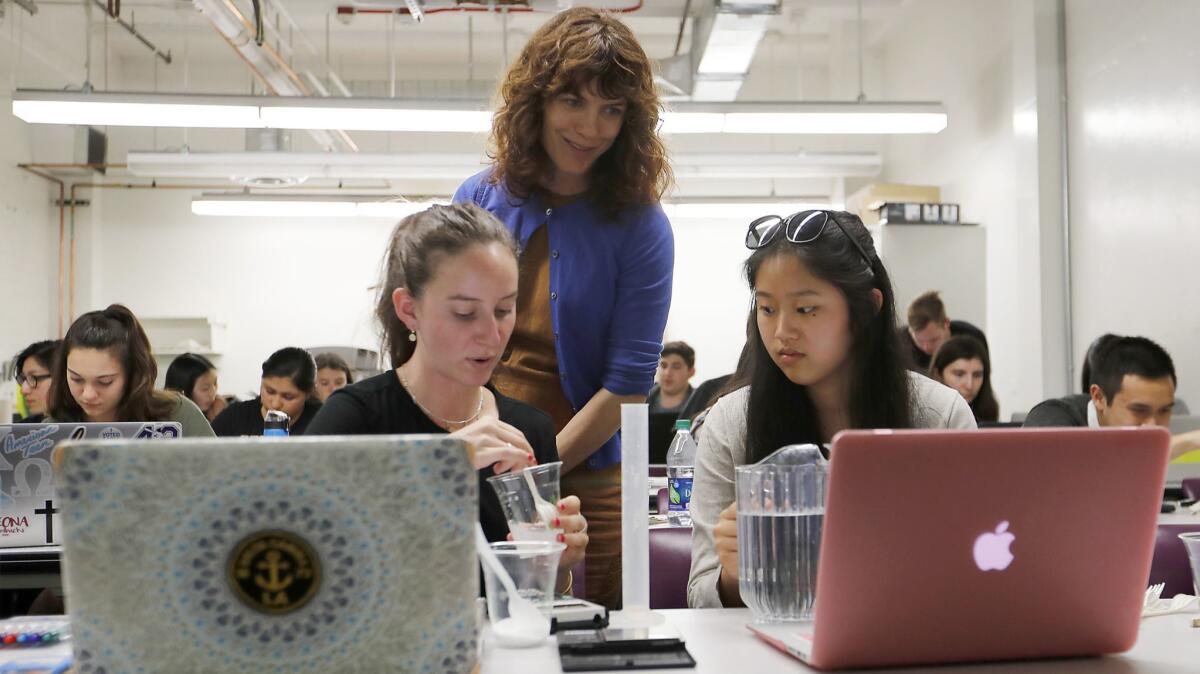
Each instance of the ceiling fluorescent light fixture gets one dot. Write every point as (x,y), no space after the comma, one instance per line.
(294,112)
(307,206)
(76,110)
(248,167)
(813,118)
(374,119)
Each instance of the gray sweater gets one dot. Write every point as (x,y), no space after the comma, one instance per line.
(722,448)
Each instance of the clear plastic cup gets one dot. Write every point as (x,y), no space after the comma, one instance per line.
(1191,541)
(533,566)
(780,515)
(517,501)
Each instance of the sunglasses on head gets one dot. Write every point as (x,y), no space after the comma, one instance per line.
(800,228)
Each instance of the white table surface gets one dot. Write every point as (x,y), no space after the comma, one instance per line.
(720,643)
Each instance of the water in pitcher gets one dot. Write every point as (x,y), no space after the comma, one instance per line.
(777,563)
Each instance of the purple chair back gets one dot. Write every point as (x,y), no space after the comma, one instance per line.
(1191,488)
(1170,565)
(658,470)
(670,565)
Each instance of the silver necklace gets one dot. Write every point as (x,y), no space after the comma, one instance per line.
(443,421)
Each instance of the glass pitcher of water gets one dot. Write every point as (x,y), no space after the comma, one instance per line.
(781,511)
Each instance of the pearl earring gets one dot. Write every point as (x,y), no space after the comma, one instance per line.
(412,336)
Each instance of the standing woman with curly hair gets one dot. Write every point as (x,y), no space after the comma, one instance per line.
(578,170)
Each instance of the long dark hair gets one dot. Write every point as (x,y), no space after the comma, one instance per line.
(183,372)
(418,244)
(117,331)
(779,412)
(965,347)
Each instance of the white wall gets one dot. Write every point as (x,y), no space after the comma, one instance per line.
(978,58)
(1133,99)
(274,283)
(28,240)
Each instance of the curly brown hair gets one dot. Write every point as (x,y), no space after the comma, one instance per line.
(566,55)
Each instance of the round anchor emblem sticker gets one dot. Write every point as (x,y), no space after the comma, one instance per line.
(274,572)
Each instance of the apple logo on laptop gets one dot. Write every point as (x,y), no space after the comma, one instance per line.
(991,549)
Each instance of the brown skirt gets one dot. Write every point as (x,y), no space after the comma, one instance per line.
(599,493)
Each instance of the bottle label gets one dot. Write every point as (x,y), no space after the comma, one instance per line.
(680,494)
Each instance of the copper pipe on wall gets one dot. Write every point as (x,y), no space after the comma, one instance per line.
(61,235)
(94,167)
(64,205)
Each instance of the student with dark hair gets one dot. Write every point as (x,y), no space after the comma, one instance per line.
(333,373)
(1132,383)
(676,367)
(446,305)
(33,376)
(195,376)
(929,326)
(578,171)
(962,363)
(104,372)
(287,386)
(823,358)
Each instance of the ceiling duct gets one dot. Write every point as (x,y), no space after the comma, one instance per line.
(725,37)
(271,68)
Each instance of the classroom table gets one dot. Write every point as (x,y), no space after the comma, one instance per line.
(720,643)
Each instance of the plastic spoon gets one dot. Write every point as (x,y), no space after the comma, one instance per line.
(525,625)
(544,508)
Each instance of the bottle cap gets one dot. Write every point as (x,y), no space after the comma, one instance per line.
(683,424)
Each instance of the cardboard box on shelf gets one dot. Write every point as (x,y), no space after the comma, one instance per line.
(865,202)
(918,214)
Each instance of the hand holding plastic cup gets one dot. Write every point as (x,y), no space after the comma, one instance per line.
(533,568)
(525,522)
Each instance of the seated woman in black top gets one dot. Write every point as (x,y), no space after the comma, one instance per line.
(446,306)
(288,380)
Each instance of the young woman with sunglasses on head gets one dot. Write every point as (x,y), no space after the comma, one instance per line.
(824,358)
(104,373)
(446,305)
(577,175)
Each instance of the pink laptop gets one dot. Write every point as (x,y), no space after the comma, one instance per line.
(958,546)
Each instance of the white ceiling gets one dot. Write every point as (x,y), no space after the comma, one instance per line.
(48,49)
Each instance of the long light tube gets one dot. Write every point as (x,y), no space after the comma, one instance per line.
(286,112)
(306,206)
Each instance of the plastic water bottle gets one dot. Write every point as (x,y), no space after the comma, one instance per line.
(681,465)
(275,424)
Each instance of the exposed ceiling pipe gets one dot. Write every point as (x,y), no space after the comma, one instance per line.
(725,36)
(265,62)
(403,7)
(108,9)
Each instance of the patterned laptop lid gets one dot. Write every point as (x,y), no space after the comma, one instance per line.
(27,502)
(329,554)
